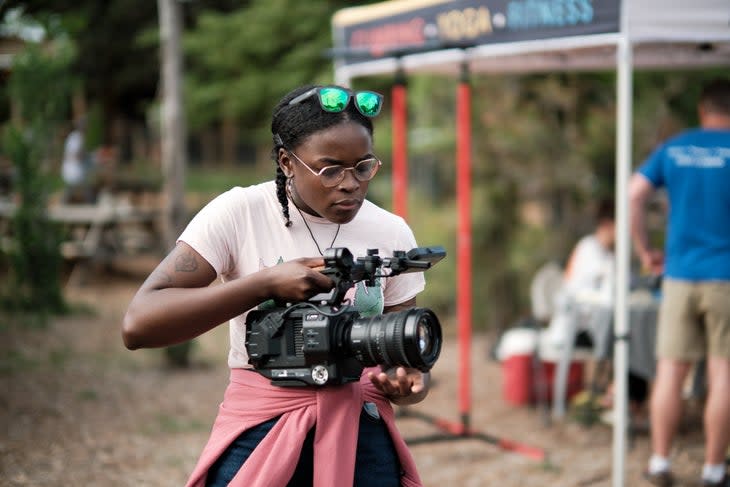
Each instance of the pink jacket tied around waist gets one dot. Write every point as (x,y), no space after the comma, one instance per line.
(250,399)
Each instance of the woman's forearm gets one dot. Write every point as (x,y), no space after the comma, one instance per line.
(161,317)
(639,191)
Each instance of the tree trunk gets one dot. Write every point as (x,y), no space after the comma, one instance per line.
(229,141)
(172,129)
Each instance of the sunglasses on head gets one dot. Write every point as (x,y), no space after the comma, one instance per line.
(334,99)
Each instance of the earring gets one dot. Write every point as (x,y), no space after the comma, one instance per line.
(289,186)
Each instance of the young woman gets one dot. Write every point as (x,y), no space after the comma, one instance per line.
(266,242)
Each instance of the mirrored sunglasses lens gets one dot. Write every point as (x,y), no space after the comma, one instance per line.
(368,103)
(333,99)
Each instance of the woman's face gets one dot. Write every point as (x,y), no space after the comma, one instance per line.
(345,145)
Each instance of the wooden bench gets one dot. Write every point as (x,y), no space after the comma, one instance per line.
(94,233)
(98,232)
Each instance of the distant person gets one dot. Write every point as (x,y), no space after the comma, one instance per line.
(590,279)
(588,276)
(266,242)
(588,287)
(694,318)
(76,166)
(589,273)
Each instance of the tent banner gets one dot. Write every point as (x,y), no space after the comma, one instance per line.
(375,31)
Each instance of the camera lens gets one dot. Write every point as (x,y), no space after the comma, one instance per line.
(426,340)
(409,338)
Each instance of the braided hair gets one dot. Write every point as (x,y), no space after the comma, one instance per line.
(291,125)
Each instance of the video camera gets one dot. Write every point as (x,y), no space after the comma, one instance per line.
(324,340)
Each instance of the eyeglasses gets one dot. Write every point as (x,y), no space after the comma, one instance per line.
(331,176)
(334,99)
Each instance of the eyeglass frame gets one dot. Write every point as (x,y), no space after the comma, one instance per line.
(344,169)
(351,95)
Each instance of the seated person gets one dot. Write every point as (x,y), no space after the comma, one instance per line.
(588,276)
(589,273)
(589,282)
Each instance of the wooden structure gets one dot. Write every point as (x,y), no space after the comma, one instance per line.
(96,233)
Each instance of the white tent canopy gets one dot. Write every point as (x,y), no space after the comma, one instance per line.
(663,34)
(529,36)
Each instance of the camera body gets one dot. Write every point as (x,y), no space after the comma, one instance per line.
(325,340)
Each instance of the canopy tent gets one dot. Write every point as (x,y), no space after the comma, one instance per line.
(521,36)
(457,37)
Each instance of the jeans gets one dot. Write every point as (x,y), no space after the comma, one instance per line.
(376,461)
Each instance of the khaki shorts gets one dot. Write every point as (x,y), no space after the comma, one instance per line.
(694,320)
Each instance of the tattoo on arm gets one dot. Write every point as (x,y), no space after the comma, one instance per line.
(186,262)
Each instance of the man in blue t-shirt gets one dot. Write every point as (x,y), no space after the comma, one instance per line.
(694,319)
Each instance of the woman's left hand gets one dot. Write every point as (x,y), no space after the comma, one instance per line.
(402,385)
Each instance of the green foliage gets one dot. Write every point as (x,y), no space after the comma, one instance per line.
(204,180)
(240,63)
(543,143)
(34,259)
(94,136)
(436,225)
(540,142)
(40,84)
(117,71)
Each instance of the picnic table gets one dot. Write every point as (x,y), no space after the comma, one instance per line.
(96,233)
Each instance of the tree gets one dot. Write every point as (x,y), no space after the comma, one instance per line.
(240,63)
(173,132)
(118,72)
(40,85)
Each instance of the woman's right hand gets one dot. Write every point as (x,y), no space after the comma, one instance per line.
(176,302)
(297,280)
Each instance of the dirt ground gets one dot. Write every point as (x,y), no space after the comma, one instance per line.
(78,409)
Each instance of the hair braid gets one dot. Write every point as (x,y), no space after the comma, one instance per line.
(281,180)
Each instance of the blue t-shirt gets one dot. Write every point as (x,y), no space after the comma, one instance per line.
(695,169)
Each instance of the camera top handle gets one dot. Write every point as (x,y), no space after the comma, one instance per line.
(416,260)
(345,272)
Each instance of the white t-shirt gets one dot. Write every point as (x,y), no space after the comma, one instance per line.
(589,273)
(72,168)
(242,231)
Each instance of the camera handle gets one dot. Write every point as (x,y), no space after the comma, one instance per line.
(346,271)
(340,266)
(338,263)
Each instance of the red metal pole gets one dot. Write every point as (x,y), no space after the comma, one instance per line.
(400,147)
(464,288)
(463,192)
